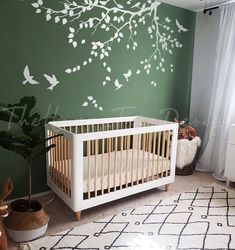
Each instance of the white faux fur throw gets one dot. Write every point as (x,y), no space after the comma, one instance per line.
(186,151)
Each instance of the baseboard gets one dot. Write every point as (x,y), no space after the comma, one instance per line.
(34,196)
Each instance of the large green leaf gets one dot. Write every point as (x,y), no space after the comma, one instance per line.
(18,149)
(30,123)
(16,144)
(45,140)
(7,137)
(44,151)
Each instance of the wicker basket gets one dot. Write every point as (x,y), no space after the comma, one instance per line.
(26,220)
(188,169)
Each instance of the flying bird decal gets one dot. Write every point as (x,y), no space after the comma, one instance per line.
(52,80)
(117,84)
(180,27)
(28,77)
(127,75)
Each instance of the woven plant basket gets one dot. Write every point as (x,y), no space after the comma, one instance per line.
(31,224)
(26,220)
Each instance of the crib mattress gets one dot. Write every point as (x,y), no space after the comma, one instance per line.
(130,167)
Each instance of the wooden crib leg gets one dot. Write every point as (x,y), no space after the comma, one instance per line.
(78,215)
(167,187)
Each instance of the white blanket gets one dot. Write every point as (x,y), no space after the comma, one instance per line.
(186,151)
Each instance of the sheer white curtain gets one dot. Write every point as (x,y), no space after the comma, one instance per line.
(222,106)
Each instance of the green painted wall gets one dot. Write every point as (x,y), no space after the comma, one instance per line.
(163,34)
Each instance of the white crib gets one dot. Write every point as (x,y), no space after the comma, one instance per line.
(100,160)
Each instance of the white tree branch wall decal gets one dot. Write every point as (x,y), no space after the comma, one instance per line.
(120,23)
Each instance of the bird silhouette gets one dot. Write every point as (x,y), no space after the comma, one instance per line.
(117,84)
(180,27)
(52,80)
(127,75)
(28,77)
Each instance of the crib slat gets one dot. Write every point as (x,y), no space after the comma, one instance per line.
(138,159)
(89,169)
(123,127)
(62,162)
(50,157)
(92,142)
(132,160)
(149,151)
(111,128)
(65,164)
(59,160)
(102,174)
(96,165)
(127,159)
(56,162)
(107,144)
(143,159)
(109,161)
(115,163)
(121,161)
(67,168)
(163,152)
(167,151)
(153,156)
(158,151)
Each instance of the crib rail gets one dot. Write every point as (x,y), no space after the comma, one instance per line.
(91,128)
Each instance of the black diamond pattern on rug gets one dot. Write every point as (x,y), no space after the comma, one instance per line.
(203,219)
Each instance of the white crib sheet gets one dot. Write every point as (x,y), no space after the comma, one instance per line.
(144,157)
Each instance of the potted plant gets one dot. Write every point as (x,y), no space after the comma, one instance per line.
(27,220)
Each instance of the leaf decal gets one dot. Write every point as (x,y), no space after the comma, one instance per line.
(35,5)
(120,23)
(72,30)
(93,102)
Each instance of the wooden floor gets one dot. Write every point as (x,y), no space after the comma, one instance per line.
(63,218)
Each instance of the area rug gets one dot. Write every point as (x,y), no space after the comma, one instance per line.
(200,219)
